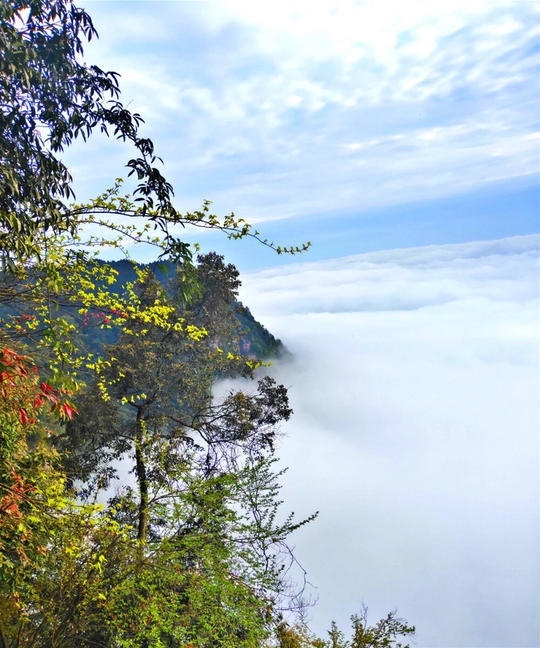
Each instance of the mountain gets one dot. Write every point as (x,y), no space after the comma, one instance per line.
(254,339)
(230,324)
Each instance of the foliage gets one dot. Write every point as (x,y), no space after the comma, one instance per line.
(49,97)
(27,479)
(207,488)
(200,540)
(159,411)
(297,635)
(384,634)
(43,531)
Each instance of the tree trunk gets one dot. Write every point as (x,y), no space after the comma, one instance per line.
(142,479)
(3,638)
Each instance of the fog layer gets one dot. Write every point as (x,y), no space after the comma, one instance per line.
(414,380)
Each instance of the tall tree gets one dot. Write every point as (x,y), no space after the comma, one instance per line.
(49,97)
(204,562)
(153,398)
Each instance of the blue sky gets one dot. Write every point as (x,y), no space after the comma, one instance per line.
(356,125)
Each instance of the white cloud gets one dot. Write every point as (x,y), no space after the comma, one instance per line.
(324,107)
(415,388)
(399,280)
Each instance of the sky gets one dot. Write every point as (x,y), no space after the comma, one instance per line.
(355,125)
(401,138)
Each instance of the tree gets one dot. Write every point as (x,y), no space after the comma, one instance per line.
(296,635)
(337,638)
(206,496)
(384,634)
(160,370)
(49,97)
(153,397)
(195,558)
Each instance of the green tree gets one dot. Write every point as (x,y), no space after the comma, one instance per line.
(206,487)
(337,638)
(49,97)
(384,634)
(207,569)
(296,635)
(218,285)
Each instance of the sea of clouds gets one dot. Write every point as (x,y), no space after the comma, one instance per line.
(414,379)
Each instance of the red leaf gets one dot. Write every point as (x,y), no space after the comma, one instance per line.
(49,392)
(68,411)
(24,415)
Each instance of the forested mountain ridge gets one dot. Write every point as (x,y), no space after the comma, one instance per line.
(212,302)
(254,339)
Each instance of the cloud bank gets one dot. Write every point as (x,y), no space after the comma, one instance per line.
(414,382)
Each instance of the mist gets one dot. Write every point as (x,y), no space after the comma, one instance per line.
(414,380)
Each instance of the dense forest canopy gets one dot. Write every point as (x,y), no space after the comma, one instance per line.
(104,363)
